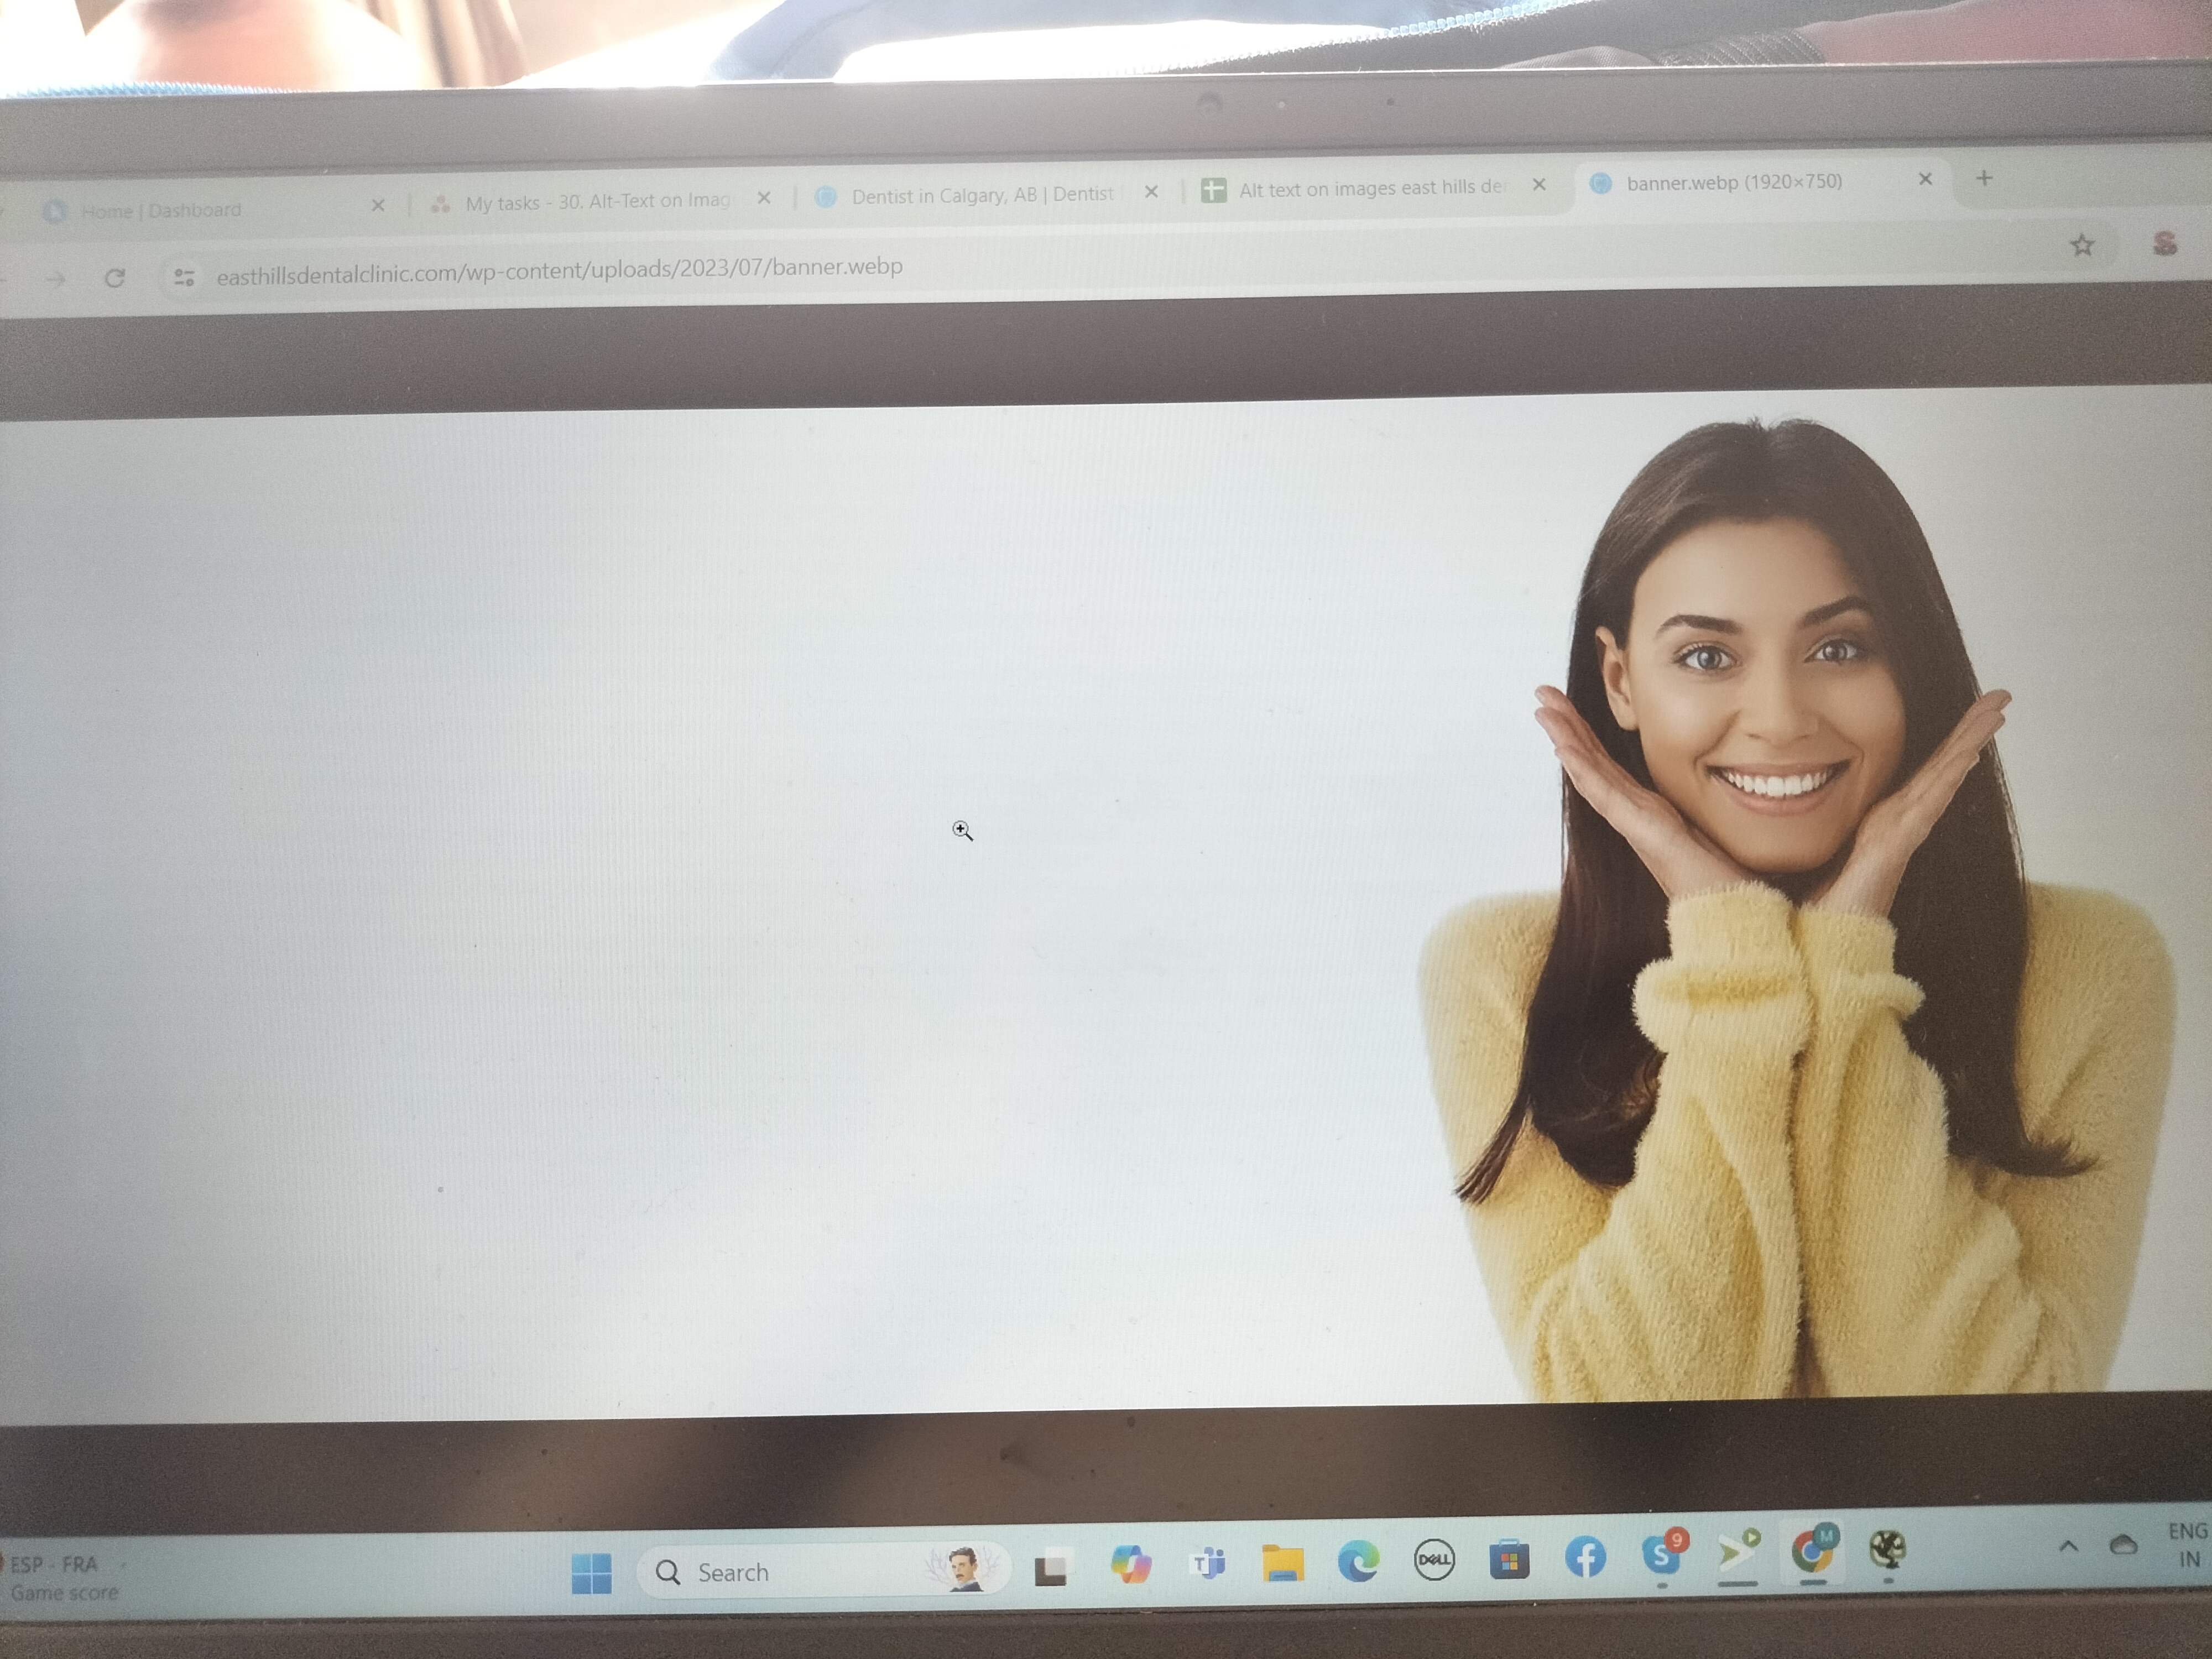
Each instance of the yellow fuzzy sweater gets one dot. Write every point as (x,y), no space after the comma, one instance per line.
(1797,1224)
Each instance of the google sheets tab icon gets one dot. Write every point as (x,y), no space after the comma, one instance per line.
(1280,1566)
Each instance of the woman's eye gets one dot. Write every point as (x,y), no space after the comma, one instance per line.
(1704,659)
(1839,650)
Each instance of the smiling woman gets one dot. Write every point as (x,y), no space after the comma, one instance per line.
(1797,1086)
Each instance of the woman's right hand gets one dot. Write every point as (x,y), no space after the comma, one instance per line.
(1682,859)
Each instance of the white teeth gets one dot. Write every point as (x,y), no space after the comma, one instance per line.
(1777,787)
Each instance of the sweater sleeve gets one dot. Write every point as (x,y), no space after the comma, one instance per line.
(1684,1283)
(1924,1275)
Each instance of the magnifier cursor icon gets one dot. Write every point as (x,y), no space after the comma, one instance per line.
(960,828)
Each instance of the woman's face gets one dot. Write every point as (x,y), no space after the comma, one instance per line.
(1754,674)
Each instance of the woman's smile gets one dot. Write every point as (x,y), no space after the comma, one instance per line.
(1779,790)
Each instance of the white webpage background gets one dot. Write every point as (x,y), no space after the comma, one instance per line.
(484,935)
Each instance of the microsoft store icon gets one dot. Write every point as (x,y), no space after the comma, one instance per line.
(591,1575)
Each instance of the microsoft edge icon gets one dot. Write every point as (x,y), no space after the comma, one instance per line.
(1585,1556)
(1358,1560)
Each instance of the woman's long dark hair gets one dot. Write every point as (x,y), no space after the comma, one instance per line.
(1589,1075)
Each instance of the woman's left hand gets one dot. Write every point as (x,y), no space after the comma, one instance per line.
(1893,832)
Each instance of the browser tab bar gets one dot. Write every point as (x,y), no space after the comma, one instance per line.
(1110,230)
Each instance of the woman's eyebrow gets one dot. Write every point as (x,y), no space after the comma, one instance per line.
(1829,612)
(1703,625)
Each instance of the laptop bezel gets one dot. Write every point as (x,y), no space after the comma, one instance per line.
(1234,115)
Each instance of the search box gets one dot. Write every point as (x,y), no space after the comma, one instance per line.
(775,1572)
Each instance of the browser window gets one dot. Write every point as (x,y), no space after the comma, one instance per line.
(1164,795)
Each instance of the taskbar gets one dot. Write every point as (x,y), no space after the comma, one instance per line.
(1136,1565)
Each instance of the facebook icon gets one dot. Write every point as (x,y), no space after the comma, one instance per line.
(1586,1556)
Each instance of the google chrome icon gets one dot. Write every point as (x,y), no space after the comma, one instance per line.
(1813,1548)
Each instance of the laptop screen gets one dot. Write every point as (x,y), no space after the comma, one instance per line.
(1293,878)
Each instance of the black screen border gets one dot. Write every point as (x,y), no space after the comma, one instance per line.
(2095,1625)
(1020,1468)
(1591,342)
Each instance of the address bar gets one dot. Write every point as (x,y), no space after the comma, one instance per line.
(1119,262)
(282,271)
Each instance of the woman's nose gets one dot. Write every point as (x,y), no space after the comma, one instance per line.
(1775,711)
